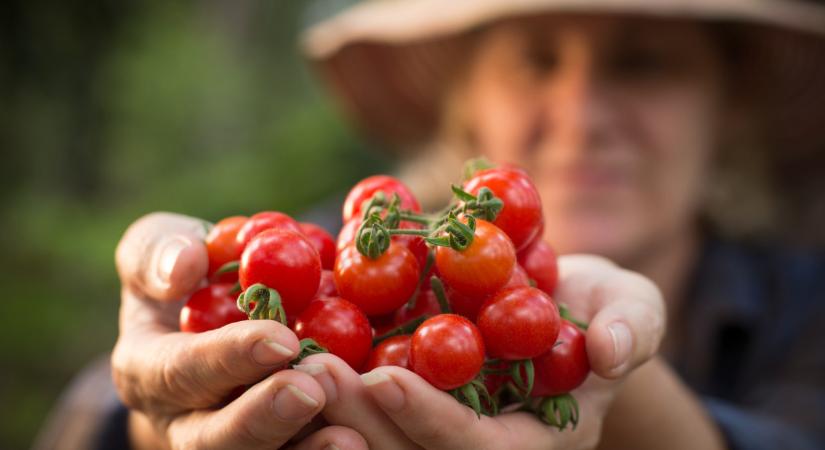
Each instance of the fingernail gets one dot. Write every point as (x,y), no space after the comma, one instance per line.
(168,257)
(292,403)
(384,390)
(268,352)
(323,377)
(622,344)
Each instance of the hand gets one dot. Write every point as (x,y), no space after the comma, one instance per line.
(175,383)
(394,408)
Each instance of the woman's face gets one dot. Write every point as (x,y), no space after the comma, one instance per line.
(615,119)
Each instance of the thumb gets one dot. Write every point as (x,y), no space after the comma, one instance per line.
(163,255)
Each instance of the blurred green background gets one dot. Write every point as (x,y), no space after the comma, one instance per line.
(112,109)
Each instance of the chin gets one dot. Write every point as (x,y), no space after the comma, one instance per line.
(608,236)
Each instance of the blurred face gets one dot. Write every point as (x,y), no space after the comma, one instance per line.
(614,117)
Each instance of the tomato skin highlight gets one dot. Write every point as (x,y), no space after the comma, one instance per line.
(378,286)
(322,241)
(339,326)
(565,366)
(519,323)
(364,190)
(540,262)
(209,308)
(222,246)
(483,267)
(263,221)
(521,218)
(394,351)
(447,350)
(285,261)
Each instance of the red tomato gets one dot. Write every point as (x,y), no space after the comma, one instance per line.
(222,247)
(539,261)
(394,351)
(285,261)
(377,286)
(447,351)
(264,221)
(415,244)
(565,366)
(468,306)
(322,241)
(483,267)
(340,327)
(327,286)
(521,218)
(518,323)
(209,308)
(364,190)
(426,304)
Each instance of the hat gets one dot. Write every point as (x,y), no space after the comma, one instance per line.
(388,61)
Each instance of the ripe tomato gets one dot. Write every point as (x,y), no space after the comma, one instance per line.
(322,241)
(285,261)
(264,221)
(483,267)
(327,286)
(468,305)
(426,304)
(518,323)
(364,190)
(521,218)
(565,366)
(209,308)
(222,246)
(447,351)
(339,326)
(377,286)
(394,351)
(539,260)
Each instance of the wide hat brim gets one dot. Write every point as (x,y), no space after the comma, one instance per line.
(388,62)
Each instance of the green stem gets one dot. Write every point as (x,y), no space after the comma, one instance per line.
(407,328)
(438,290)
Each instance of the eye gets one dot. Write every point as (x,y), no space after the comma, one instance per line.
(542,58)
(640,62)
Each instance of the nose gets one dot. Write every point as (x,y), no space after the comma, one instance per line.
(576,103)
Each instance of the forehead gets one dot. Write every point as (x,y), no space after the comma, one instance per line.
(606,28)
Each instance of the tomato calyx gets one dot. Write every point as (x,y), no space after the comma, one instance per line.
(474,165)
(262,302)
(475,395)
(485,205)
(308,346)
(558,411)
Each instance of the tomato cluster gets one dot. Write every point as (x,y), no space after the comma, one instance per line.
(462,298)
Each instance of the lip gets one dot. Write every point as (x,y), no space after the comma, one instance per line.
(589,177)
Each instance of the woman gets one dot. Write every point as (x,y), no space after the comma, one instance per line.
(627,116)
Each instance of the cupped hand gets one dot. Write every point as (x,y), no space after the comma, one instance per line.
(179,385)
(394,408)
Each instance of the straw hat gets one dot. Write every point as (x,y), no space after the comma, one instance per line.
(389,62)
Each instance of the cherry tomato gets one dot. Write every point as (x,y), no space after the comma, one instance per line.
(327,286)
(539,261)
(521,218)
(518,323)
(426,304)
(364,190)
(447,351)
(322,241)
(483,267)
(565,366)
(468,305)
(339,326)
(394,351)
(222,246)
(377,286)
(285,261)
(209,308)
(415,244)
(264,221)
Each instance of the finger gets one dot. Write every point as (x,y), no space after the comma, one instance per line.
(173,372)
(625,311)
(333,437)
(163,255)
(265,417)
(349,404)
(431,418)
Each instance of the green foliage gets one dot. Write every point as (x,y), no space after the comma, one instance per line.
(183,109)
